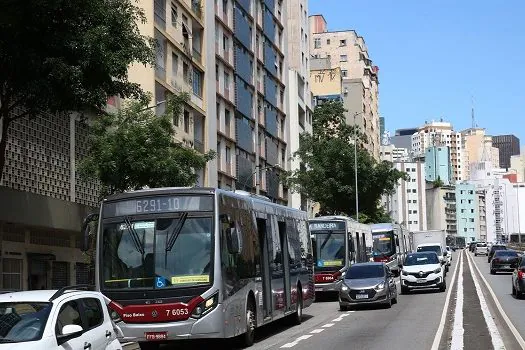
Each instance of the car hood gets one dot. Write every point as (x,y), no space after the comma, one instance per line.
(363,283)
(424,268)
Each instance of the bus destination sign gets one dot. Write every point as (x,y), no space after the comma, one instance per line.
(327,226)
(160,204)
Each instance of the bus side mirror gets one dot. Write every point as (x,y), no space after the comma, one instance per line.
(85,231)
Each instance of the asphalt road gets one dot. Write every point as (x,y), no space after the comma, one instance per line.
(465,316)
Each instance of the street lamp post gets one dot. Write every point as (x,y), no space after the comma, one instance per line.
(355,168)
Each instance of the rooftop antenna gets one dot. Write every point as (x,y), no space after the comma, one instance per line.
(474,125)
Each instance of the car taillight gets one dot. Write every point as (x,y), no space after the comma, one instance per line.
(112,310)
(521,274)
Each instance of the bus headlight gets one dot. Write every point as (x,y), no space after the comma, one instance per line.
(206,306)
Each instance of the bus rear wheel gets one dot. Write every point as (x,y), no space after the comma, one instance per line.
(297,317)
(248,338)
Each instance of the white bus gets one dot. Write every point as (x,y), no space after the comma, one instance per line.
(391,244)
(184,263)
(338,242)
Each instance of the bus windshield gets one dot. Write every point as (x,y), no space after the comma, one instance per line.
(157,253)
(383,244)
(329,249)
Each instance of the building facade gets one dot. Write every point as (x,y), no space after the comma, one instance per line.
(299,94)
(403,138)
(441,209)
(482,211)
(508,146)
(408,203)
(348,51)
(230,56)
(477,147)
(517,163)
(393,154)
(467,212)
(441,134)
(438,165)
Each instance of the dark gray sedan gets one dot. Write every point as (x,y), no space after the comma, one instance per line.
(368,283)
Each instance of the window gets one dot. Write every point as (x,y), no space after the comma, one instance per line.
(219,154)
(174,15)
(317,43)
(327,41)
(225,43)
(343,58)
(228,155)
(174,64)
(226,81)
(217,72)
(342,42)
(472,210)
(186,121)
(69,314)
(227,118)
(197,83)
(344,72)
(93,312)
(471,220)
(414,211)
(12,274)
(414,191)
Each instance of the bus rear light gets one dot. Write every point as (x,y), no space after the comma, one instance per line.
(206,306)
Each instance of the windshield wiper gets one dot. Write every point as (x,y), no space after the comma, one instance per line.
(326,239)
(176,232)
(134,236)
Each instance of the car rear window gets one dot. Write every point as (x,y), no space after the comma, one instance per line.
(481,245)
(498,247)
(505,253)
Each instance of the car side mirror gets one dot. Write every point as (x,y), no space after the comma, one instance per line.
(70,331)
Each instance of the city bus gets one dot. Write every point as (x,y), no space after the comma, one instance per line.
(338,242)
(391,242)
(185,263)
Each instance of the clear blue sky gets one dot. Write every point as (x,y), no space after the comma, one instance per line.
(433,55)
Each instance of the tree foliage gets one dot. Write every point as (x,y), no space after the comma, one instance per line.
(66,55)
(327,173)
(134,148)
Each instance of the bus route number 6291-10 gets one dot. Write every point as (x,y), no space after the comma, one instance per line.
(177,312)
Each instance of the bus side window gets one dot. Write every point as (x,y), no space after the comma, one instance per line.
(351,246)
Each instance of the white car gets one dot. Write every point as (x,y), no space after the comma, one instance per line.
(449,255)
(51,319)
(421,271)
(438,249)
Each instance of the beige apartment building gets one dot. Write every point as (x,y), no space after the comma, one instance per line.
(230,56)
(477,147)
(348,51)
(441,134)
(517,163)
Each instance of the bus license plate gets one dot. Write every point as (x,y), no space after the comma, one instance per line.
(421,280)
(156,335)
(361,296)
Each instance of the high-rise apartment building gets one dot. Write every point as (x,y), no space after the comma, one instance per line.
(477,147)
(403,138)
(348,51)
(393,154)
(441,209)
(517,163)
(438,165)
(230,56)
(408,203)
(441,134)
(508,145)
(299,93)
(467,212)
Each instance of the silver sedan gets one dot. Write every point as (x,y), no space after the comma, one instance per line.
(368,283)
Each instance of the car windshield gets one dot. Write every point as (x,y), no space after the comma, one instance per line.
(430,248)
(150,254)
(365,271)
(505,253)
(421,259)
(23,321)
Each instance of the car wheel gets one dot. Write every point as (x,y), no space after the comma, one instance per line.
(404,290)
(443,286)
(343,307)
(492,271)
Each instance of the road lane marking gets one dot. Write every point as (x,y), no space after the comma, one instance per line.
(511,326)
(458,331)
(296,341)
(328,325)
(441,327)
(340,318)
(316,331)
(497,342)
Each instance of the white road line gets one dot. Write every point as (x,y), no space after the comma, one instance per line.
(296,341)
(316,331)
(509,323)
(458,330)
(340,318)
(328,325)
(441,327)
(497,342)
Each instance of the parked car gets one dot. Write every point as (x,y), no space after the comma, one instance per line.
(481,249)
(518,279)
(422,270)
(503,260)
(493,249)
(368,283)
(57,319)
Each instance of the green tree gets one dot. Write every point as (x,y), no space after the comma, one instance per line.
(437,183)
(134,148)
(327,175)
(66,55)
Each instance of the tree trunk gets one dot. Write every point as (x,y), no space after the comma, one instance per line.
(4,126)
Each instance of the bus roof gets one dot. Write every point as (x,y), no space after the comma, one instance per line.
(387,226)
(332,217)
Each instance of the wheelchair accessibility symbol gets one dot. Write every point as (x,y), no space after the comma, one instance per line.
(160,282)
